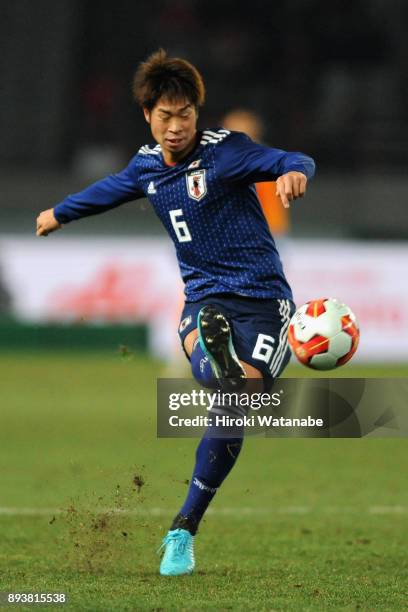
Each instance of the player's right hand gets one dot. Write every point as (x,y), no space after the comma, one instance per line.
(47,223)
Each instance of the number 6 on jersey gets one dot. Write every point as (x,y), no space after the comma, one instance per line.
(180,227)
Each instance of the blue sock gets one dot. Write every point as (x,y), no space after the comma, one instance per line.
(201,368)
(215,458)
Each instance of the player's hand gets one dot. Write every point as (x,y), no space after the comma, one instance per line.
(47,223)
(290,186)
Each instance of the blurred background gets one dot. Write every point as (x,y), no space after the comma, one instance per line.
(325,78)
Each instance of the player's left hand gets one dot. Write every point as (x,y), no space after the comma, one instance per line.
(291,186)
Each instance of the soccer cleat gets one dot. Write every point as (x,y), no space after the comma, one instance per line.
(178,557)
(214,333)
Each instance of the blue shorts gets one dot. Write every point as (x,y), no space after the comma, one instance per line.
(259,328)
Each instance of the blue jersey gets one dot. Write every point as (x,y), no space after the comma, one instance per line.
(209,207)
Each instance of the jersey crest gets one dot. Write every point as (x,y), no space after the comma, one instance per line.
(196,184)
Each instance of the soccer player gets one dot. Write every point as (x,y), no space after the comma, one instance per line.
(238,301)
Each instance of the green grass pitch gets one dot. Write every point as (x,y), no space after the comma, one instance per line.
(87,492)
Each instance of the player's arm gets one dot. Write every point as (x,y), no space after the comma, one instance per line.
(241,159)
(103,195)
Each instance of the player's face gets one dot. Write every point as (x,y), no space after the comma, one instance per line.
(173,126)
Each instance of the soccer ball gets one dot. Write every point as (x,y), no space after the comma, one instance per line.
(323,334)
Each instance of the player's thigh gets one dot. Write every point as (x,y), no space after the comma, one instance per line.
(250,370)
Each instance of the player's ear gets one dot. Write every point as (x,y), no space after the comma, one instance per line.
(146,113)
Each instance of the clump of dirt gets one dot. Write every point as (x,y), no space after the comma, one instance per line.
(138,482)
(100,523)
